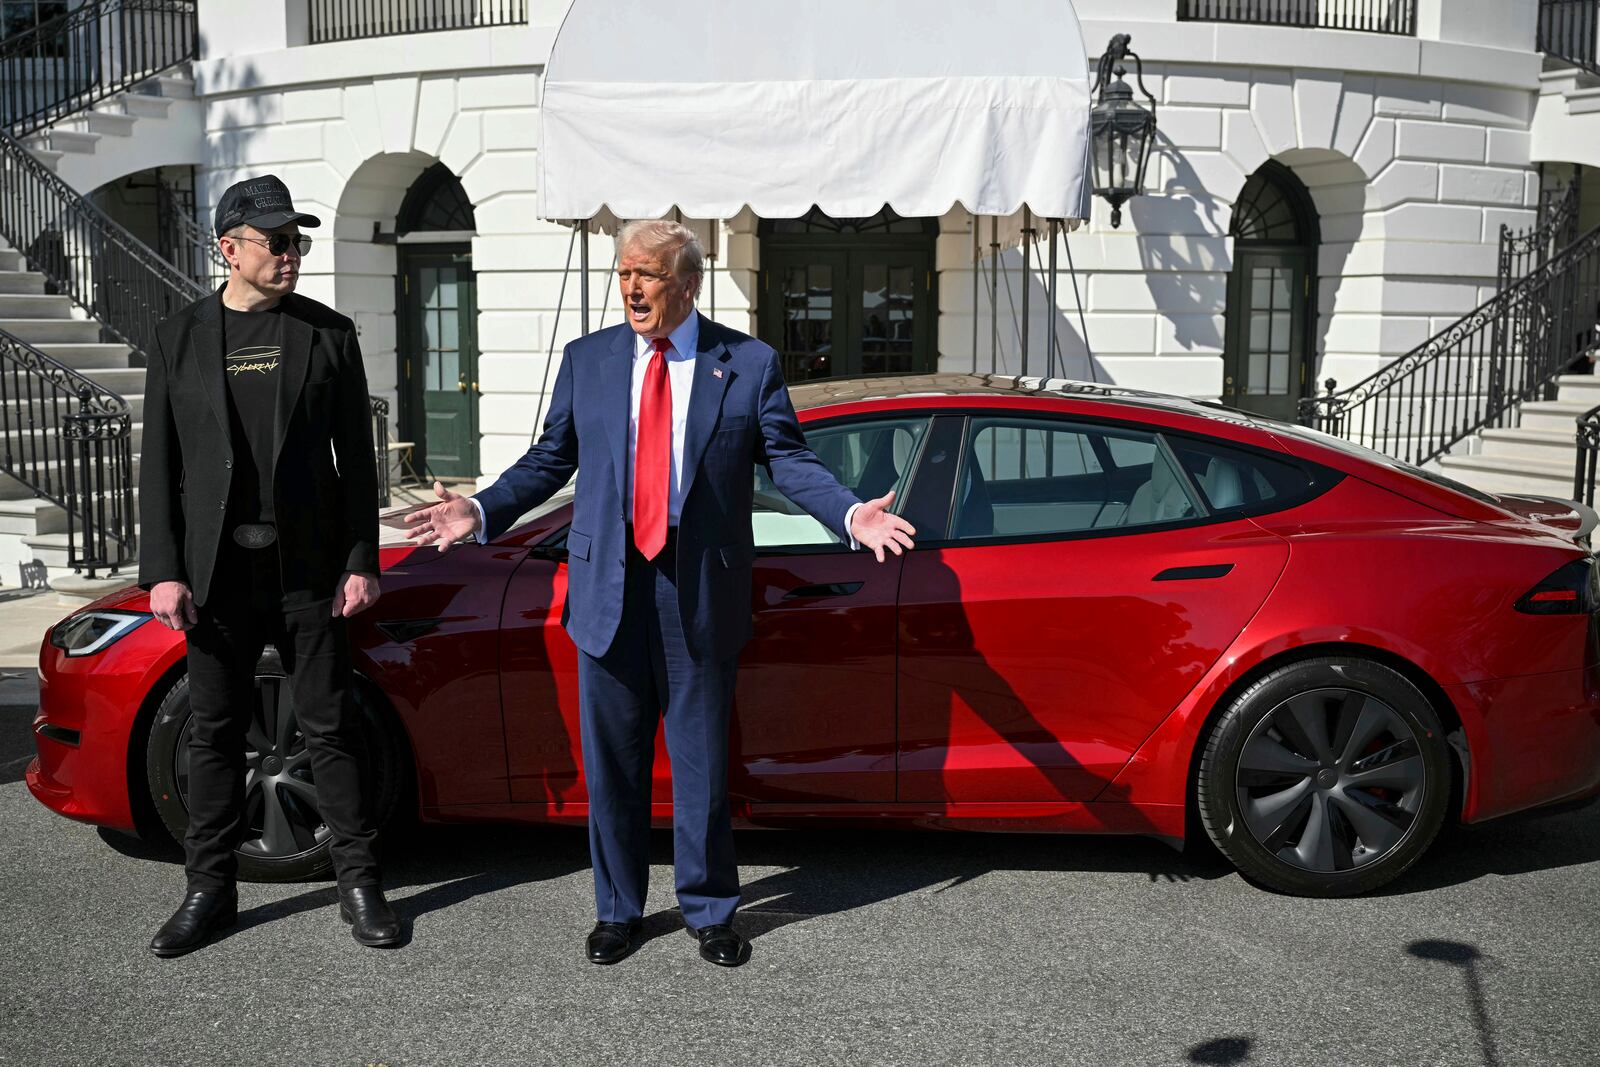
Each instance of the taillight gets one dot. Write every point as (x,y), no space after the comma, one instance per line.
(1574,589)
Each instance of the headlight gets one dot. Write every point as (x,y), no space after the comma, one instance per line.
(92,631)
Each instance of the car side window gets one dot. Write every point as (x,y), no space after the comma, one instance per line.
(1232,478)
(1026,477)
(868,458)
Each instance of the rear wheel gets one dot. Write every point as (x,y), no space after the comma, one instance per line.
(287,839)
(1328,777)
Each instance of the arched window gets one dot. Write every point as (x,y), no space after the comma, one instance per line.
(1268,349)
(436,201)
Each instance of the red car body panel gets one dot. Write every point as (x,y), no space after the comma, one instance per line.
(1044,685)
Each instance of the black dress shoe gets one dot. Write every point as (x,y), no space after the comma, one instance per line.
(610,942)
(721,944)
(197,917)
(372,921)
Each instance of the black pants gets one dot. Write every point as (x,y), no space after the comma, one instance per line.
(246,609)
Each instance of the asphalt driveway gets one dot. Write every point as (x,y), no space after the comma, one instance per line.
(870,948)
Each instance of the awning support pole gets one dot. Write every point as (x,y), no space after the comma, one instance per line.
(994,294)
(1050,342)
(977,268)
(1027,278)
(581,231)
(711,254)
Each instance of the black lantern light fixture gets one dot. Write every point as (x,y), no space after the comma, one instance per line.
(1121,127)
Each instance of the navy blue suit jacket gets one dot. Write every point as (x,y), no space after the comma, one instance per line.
(739,415)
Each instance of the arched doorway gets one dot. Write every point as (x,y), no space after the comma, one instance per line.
(843,297)
(1267,346)
(437,342)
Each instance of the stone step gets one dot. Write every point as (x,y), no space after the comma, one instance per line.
(176,86)
(37,441)
(50,157)
(11,261)
(145,105)
(111,123)
(16,410)
(1545,446)
(21,281)
(88,357)
(76,590)
(31,516)
(78,141)
(1552,415)
(51,550)
(1511,475)
(1579,389)
(35,331)
(34,306)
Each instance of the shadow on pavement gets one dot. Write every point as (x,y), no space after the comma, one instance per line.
(1222,1050)
(1520,844)
(16,742)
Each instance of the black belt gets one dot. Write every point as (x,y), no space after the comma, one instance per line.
(254,534)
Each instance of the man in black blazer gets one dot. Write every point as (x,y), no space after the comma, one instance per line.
(258,504)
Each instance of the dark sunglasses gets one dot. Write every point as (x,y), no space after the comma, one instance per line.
(279,243)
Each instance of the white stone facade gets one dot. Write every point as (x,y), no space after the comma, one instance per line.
(1415,150)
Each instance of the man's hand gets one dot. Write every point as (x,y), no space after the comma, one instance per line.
(355,593)
(875,527)
(452,519)
(173,604)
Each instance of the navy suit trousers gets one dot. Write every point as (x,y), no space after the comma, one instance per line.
(646,675)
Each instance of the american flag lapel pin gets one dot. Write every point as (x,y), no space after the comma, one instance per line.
(716,372)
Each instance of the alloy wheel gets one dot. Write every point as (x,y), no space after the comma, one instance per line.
(1330,780)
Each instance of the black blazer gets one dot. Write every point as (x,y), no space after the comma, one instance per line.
(325,499)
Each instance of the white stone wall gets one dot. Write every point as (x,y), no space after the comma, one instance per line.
(1412,175)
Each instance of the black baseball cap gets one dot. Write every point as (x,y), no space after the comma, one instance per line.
(262,202)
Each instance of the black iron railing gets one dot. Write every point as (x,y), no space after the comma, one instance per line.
(71,441)
(1524,251)
(380,446)
(96,50)
(349,20)
(1568,31)
(107,271)
(1478,372)
(1588,441)
(1371,16)
(184,242)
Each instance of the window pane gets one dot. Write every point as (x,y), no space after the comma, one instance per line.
(868,458)
(1236,478)
(1011,485)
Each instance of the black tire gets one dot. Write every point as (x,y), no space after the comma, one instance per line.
(1326,778)
(305,853)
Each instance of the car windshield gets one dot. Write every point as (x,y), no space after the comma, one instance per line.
(1306,433)
(561,499)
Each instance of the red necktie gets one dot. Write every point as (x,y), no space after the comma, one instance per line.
(652,455)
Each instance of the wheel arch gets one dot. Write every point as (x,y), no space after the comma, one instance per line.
(1432,691)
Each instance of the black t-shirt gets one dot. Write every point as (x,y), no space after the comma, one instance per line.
(252,341)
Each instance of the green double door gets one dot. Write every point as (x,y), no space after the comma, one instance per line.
(438,344)
(852,307)
(1265,365)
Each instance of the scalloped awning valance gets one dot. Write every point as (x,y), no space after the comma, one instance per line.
(844,104)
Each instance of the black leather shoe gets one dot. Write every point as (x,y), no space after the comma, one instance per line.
(721,944)
(200,914)
(610,942)
(372,921)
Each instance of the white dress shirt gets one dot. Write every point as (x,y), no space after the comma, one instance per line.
(680,370)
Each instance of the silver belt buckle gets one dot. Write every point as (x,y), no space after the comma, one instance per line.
(254,534)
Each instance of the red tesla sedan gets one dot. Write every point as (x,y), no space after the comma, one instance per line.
(1126,613)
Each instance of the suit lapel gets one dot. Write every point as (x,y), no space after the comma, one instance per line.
(205,346)
(616,381)
(711,377)
(295,344)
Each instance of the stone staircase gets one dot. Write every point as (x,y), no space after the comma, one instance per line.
(33,538)
(157,122)
(1537,456)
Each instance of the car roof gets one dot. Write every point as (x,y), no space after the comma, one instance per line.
(835,391)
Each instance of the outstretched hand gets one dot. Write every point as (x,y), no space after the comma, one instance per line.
(452,519)
(874,526)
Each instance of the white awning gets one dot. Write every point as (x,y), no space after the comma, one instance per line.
(844,104)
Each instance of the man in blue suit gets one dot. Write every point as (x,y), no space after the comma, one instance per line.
(667,417)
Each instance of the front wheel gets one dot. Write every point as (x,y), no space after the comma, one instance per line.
(1326,778)
(287,839)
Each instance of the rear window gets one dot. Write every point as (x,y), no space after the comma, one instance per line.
(1230,478)
(1372,455)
